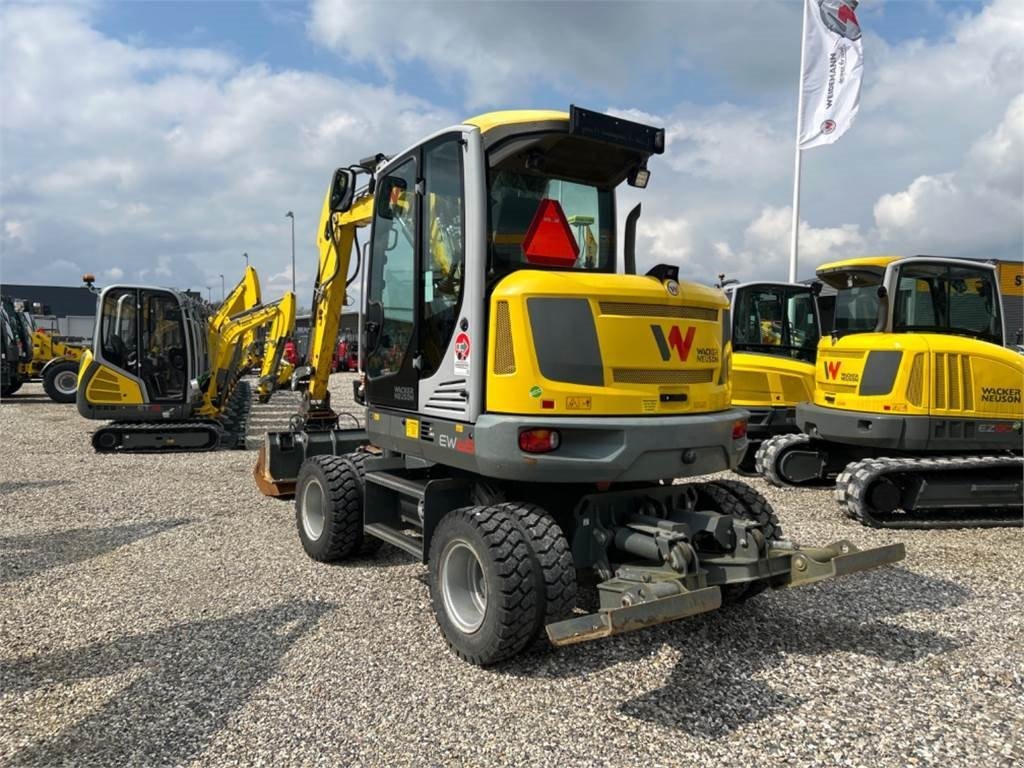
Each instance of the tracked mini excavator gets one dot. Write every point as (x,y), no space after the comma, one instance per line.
(917,413)
(275,371)
(775,332)
(527,407)
(166,373)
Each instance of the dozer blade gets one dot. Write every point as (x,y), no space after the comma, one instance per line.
(782,566)
(615,621)
(840,558)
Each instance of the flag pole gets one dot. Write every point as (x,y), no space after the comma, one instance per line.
(794,235)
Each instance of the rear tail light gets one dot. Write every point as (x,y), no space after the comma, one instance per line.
(539,440)
(739,429)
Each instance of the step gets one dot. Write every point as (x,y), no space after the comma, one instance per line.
(411,544)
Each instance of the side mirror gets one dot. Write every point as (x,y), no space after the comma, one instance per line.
(343,188)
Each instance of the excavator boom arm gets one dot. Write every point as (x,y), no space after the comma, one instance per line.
(281,329)
(336,236)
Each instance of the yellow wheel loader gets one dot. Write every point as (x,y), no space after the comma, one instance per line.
(775,332)
(165,373)
(47,358)
(528,406)
(917,413)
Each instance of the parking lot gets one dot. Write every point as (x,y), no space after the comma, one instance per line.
(159,610)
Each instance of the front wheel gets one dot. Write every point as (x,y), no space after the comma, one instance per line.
(61,381)
(484,584)
(329,508)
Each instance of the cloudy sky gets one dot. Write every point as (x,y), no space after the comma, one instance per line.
(158,141)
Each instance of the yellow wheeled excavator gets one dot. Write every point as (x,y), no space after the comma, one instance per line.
(165,373)
(527,406)
(775,332)
(917,413)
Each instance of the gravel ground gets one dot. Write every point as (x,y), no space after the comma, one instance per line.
(158,610)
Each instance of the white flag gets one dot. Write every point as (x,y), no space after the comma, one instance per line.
(833,60)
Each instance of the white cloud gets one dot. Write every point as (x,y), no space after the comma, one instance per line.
(114,273)
(972,211)
(167,163)
(496,52)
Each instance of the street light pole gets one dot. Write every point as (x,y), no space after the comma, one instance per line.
(291,216)
(222,288)
(209,298)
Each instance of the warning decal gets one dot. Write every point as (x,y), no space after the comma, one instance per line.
(462,352)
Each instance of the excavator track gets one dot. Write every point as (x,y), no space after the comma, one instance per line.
(157,437)
(798,454)
(939,492)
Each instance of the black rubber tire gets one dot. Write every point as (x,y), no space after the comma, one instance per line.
(357,460)
(758,507)
(556,570)
(342,508)
(732,497)
(509,569)
(50,381)
(11,388)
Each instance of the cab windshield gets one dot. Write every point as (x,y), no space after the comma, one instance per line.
(856,302)
(776,320)
(944,298)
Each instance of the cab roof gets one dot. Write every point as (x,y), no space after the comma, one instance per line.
(861,262)
(491,120)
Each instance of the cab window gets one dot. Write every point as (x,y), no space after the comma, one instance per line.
(118,329)
(948,299)
(392,280)
(443,266)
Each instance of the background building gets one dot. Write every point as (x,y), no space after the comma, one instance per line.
(64,310)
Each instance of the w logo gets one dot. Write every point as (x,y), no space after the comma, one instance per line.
(681,344)
(831,368)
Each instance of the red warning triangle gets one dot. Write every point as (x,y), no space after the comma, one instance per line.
(549,239)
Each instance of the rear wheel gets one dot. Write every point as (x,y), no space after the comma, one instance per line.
(484,584)
(731,497)
(553,561)
(11,388)
(329,508)
(61,381)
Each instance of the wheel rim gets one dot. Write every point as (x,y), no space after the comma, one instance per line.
(66,382)
(463,586)
(313,509)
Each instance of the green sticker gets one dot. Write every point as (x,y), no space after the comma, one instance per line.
(536,391)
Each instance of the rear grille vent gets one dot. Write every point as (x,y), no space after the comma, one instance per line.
(846,354)
(504,353)
(630,309)
(104,386)
(915,387)
(953,382)
(968,384)
(655,376)
(451,397)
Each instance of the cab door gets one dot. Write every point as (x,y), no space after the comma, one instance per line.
(391,305)
(416,273)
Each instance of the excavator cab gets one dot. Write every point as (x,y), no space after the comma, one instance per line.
(150,349)
(775,332)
